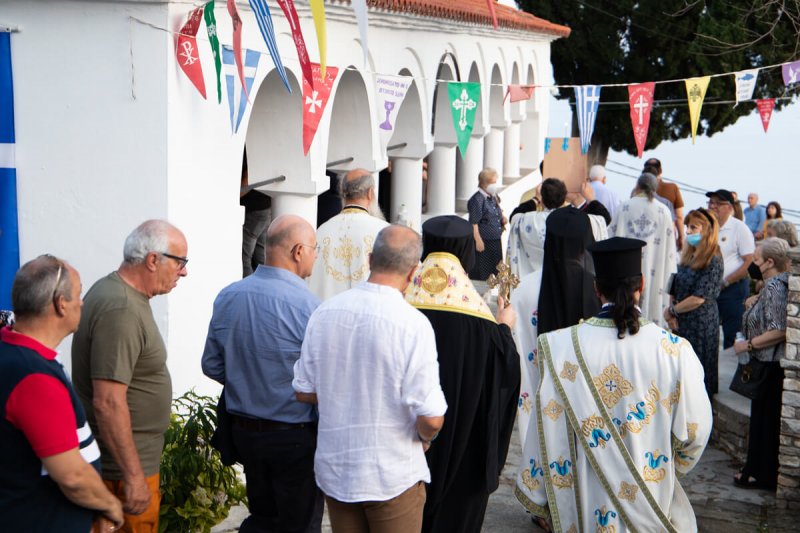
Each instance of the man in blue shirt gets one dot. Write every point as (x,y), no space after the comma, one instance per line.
(754,216)
(254,339)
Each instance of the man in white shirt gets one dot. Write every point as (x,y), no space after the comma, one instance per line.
(737,245)
(369,362)
(604,195)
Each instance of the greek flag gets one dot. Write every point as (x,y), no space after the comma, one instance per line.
(264,19)
(587,99)
(9,233)
(237,100)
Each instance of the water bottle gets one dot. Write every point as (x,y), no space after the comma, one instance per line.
(402,216)
(744,357)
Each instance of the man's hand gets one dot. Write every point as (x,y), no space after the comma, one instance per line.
(505,313)
(479,246)
(137,495)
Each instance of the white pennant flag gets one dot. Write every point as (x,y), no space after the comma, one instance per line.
(745,84)
(391,91)
(360,8)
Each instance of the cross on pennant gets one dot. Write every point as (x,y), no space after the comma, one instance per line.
(463,104)
(641,106)
(188,53)
(313,102)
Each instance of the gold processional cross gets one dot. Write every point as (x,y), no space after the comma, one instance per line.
(504,279)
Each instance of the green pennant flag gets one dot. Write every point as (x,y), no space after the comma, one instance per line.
(211,26)
(464,99)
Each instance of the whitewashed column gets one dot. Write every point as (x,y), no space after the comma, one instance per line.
(467,170)
(493,150)
(407,190)
(511,153)
(442,180)
(295,204)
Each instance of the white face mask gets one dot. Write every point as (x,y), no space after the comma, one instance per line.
(493,189)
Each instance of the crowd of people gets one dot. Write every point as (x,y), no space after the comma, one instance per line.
(363,372)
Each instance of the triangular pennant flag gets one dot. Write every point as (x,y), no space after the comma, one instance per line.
(297,36)
(237,95)
(360,9)
(237,42)
(696,92)
(314,101)
(587,100)
(745,84)
(464,100)
(186,51)
(318,12)
(791,72)
(640,98)
(490,3)
(765,107)
(264,20)
(391,93)
(519,92)
(211,27)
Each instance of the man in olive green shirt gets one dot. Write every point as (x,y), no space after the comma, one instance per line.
(119,368)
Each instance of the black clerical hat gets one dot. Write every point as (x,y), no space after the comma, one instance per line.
(617,258)
(450,234)
(722,194)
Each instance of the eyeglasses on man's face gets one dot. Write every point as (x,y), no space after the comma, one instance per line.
(717,203)
(182,261)
(299,244)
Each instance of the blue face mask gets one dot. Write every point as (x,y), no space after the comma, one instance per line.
(694,239)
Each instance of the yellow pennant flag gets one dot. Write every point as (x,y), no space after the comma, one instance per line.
(696,92)
(318,12)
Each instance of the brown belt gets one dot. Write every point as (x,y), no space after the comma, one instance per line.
(260,424)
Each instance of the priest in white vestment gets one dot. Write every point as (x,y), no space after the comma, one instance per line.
(622,411)
(345,240)
(644,218)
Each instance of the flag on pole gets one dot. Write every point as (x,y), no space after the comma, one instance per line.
(640,98)
(745,84)
(490,3)
(391,91)
(237,42)
(315,98)
(237,95)
(791,72)
(264,20)
(297,36)
(318,12)
(187,54)
(360,9)
(587,100)
(765,107)
(519,92)
(696,92)
(9,225)
(211,27)
(464,100)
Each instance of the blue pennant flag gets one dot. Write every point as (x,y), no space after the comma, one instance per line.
(264,19)
(237,99)
(587,99)
(9,226)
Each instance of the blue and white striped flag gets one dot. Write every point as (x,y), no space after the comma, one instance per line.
(237,99)
(587,99)
(9,227)
(264,19)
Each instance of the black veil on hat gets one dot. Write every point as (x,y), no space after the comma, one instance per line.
(617,258)
(452,235)
(567,292)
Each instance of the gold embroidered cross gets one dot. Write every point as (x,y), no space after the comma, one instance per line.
(504,279)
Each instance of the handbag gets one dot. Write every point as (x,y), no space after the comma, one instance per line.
(749,378)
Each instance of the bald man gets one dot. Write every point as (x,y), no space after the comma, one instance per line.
(346,239)
(253,341)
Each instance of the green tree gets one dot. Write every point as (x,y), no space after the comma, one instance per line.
(631,41)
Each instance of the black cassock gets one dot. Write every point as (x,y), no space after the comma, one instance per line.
(480,375)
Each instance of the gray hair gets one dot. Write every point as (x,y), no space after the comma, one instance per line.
(38,283)
(785,230)
(150,236)
(776,249)
(355,188)
(486,174)
(647,184)
(392,254)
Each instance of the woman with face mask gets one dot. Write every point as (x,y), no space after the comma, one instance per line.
(693,313)
(488,223)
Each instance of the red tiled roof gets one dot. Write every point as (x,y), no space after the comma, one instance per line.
(473,11)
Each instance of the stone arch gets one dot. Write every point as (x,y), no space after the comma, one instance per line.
(531,129)
(351,129)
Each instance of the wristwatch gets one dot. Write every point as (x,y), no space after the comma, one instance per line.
(749,346)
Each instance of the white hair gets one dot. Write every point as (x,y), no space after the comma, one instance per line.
(149,236)
(597,172)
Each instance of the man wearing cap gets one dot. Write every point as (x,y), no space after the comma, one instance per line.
(737,244)
(604,195)
(615,433)
(479,372)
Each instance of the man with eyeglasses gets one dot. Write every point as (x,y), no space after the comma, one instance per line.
(737,245)
(119,366)
(254,339)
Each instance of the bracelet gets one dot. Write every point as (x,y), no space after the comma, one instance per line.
(426,441)
(749,346)
(672,310)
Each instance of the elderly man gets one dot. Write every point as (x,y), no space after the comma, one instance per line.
(253,342)
(369,361)
(671,192)
(604,195)
(119,365)
(755,216)
(737,245)
(346,239)
(50,461)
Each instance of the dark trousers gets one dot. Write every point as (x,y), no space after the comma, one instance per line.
(282,493)
(731,308)
(765,431)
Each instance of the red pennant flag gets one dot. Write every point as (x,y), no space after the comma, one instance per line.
(765,107)
(491,10)
(237,43)
(314,101)
(640,98)
(186,52)
(297,37)
(519,92)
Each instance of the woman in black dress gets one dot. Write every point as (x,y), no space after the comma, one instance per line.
(488,223)
(693,313)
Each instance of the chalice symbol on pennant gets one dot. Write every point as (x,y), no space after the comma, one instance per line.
(388,105)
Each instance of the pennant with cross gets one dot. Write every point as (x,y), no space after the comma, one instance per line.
(464,100)
(187,54)
(640,98)
(314,101)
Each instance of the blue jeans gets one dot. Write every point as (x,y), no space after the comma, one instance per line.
(731,308)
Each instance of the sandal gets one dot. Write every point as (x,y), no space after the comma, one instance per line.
(749,483)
